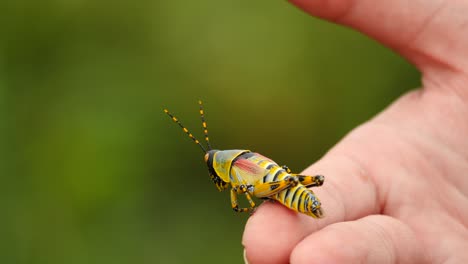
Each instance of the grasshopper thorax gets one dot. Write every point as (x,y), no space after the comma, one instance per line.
(219,164)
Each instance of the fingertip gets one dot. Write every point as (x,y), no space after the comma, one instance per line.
(271,233)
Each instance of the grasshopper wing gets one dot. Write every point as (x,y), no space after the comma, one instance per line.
(245,171)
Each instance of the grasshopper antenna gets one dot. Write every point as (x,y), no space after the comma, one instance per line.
(205,129)
(185,130)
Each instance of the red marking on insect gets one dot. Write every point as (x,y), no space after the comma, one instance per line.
(247,166)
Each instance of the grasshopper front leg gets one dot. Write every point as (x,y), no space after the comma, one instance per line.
(234,202)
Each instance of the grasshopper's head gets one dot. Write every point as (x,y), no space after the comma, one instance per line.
(219,164)
(210,162)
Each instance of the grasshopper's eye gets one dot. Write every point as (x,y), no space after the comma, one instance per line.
(206,157)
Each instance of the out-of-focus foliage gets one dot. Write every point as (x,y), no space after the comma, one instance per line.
(92,171)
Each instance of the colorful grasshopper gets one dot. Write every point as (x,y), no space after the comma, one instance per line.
(252,174)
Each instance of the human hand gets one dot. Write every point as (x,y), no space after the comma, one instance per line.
(396,188)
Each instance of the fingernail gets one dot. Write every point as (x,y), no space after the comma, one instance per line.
(245,257)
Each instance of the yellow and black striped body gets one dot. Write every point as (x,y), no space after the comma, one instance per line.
(252,174)
(298,198)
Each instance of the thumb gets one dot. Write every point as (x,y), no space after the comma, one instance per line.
(431,34)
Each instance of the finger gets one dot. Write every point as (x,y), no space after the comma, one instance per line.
(347,194)
(373,239)
(271,233)
(429,33)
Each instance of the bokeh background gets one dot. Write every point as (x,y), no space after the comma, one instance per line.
(92,171)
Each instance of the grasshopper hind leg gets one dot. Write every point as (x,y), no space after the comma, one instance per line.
(286,168)
(311,181)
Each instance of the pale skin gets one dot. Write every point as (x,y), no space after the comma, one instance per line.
(396,187)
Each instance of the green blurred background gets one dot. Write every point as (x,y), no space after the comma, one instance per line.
(94,172)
